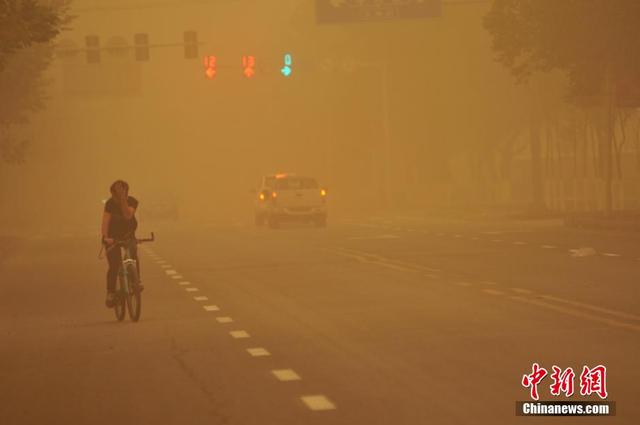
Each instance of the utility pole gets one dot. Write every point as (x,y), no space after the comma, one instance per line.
(609,105)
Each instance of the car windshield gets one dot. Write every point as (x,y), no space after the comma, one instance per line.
(296,183)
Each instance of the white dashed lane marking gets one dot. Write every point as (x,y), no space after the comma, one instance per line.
(211,308)
(165,266)
(192,289)
(318,402)
(224,319)
(171,272)
(465,284)
(519,243)
(548,247)
(492,292)
(286,375)
(258,352)
(177,276)
(184,283)
(610,254)
(201,298)
(239,334)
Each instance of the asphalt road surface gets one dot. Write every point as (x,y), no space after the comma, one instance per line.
(387,321)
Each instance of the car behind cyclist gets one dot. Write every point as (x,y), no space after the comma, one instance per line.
(118,223)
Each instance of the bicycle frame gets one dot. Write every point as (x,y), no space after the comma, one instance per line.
(128,291)
(126,260)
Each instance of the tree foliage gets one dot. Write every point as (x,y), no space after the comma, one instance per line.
(584,38)
(26,29)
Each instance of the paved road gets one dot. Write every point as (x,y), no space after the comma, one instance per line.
(379,321)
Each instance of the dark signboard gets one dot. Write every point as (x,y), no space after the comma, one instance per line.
(343,11)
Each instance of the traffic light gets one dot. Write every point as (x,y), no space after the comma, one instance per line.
(249,65)
(141,43)
(210,70)
(190,44)
(288,62)
(93,48)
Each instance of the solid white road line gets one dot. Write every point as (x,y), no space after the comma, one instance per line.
(258,352)
(239,334)
(211,308)
(286,375)
(318,402)
(224,319)
(201,298)
(616,313)
(521,291)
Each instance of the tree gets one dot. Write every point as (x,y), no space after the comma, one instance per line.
(594,42)
(26,28)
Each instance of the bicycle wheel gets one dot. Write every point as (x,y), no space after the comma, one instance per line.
(134,299)
(119,302)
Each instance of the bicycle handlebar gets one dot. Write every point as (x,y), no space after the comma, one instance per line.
(137,241)
(151,239)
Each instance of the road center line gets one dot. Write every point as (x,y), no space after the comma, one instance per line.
(286,375)
(258,352)
(318,402)
(576,313)
(239,334)
(521,291)
(211,308)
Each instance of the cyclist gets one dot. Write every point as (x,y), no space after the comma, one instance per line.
(118,223)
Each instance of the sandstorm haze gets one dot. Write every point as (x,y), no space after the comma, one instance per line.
(394,115)
(345,212)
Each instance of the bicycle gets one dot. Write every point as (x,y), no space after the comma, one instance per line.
(127,287)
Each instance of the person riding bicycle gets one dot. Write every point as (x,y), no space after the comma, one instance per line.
(118,223)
